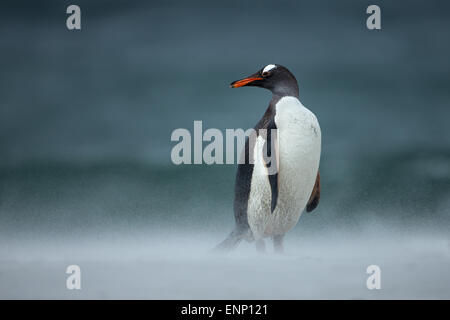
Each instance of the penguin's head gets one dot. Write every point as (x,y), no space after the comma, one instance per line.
(273,77)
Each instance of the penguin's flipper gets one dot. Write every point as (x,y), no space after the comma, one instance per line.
(271,161)
(313,201)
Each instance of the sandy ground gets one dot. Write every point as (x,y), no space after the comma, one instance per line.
(333,267)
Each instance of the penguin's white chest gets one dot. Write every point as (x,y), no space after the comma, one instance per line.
(299,145)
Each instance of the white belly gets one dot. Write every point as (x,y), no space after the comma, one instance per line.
(299,143)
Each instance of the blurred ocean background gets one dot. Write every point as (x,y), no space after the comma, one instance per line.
(86,118)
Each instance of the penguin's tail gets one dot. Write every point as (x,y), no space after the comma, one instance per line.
(232,241)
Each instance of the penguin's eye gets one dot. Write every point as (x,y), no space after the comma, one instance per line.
(268,70)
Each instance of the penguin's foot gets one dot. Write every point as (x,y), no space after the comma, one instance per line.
(260,246)
(278,244)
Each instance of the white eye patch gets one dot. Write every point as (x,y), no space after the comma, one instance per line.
(269,67)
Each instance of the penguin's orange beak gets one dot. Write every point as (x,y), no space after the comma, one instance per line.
(244,82)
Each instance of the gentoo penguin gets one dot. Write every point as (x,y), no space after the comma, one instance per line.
(269,204)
